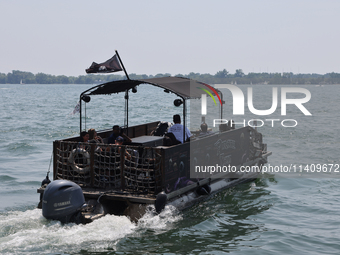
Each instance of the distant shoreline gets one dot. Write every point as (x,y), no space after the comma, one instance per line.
(221,77)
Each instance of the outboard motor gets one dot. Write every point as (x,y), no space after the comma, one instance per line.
(63,200)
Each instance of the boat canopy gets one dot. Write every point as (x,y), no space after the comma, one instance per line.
(183,87)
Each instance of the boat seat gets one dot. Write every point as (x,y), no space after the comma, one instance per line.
(170,139)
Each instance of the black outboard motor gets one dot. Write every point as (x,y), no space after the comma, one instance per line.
(63,201)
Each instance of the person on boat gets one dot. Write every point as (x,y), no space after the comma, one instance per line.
(161,128)
(204,129)
(93,136)
(84,137)
(119,141)
(117,131)
(177,129)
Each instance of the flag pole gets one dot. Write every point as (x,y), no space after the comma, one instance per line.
(127,76)
(126,97)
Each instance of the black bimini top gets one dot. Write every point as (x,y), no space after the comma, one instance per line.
(183,87)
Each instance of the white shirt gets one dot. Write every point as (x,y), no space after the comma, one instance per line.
(177,130)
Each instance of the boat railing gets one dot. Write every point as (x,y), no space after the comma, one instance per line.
(109,167)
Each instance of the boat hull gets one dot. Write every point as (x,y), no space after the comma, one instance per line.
(157,175)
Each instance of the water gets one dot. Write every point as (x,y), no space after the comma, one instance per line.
(273,215)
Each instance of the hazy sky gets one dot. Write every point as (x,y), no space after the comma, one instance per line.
(176,37)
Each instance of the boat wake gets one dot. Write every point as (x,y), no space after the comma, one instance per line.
(159,222)
(29,232)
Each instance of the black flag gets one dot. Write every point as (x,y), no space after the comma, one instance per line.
(109,66)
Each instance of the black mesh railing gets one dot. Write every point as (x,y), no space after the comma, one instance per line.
(102,166)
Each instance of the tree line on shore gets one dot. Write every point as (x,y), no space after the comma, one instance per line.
(221,77)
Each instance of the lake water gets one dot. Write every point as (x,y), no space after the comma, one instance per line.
(276,214)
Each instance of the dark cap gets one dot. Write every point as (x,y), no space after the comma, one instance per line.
(120,139)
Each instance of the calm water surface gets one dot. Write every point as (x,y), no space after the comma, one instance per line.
(273,215)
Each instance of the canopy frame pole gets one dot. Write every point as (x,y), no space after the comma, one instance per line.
(80,113)
(184,115)
(126,121)
(221,96)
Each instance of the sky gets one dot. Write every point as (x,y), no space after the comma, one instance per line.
(177,37)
